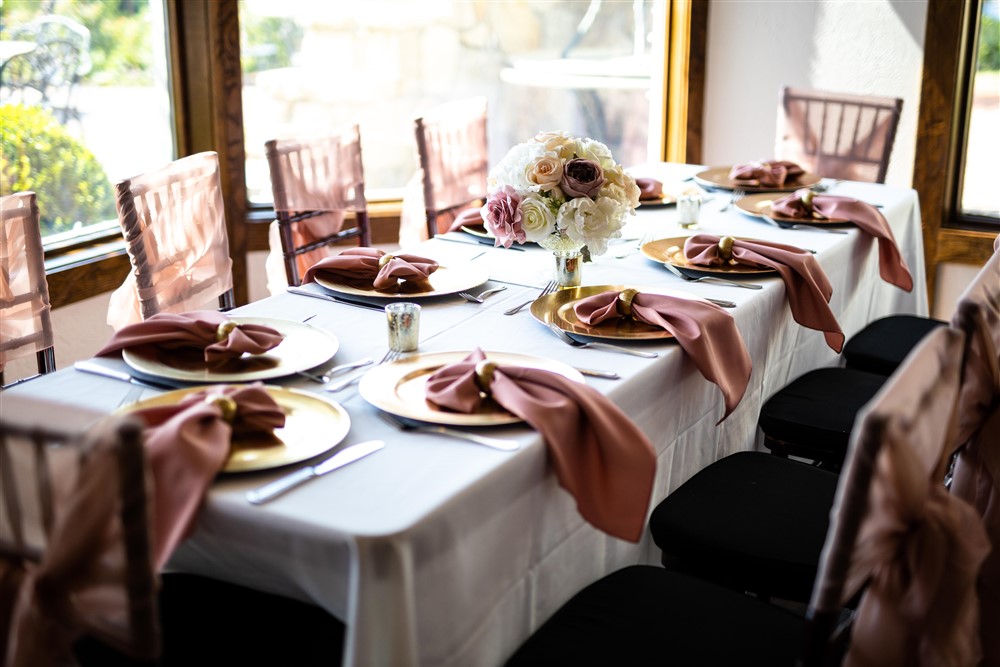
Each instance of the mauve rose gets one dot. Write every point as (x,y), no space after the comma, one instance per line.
(502,216)
(582,178)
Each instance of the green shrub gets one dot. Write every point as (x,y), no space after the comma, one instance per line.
(38,154)
(989,45)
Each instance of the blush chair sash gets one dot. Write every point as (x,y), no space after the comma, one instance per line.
(25,320)
(315,183)
(175,229)
(977,466)
(836,135)
(895,528)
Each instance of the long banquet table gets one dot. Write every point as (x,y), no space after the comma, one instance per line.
(439,552)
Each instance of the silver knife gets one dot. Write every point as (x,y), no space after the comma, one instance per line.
(337,299)
(607,375)
(97,369)
(261,495)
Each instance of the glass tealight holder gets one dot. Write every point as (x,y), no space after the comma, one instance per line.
(688,210)
(403,321)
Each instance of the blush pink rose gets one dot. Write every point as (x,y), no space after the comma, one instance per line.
(502,216)
(582,178)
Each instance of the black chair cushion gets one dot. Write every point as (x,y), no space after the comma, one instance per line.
(813,415)
(645,615)
(752,521)
(882,345)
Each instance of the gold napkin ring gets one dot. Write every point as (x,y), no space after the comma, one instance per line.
(726,248)
(484,375)
(624,303)
(384,259)
(226,328)
(225,403)
(807,199)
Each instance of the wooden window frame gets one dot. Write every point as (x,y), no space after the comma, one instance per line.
(949,236)
(207,82)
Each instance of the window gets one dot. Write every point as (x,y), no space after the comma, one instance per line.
(979,196)
(84,102)
(310,67)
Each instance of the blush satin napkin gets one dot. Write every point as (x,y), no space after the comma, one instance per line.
(802,204)
(806,284)
(765,174)
(649,189)
(187,444)
(371,268)
(605,462)
(213,332)
(470,217)
(705,331)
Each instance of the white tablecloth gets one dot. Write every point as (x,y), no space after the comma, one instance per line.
(438,552)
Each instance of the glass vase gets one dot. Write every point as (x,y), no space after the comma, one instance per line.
(569,259)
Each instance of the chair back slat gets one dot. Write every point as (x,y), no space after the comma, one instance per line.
(315,184)
(174,224)
(837,135)
(452,146)
(24,291)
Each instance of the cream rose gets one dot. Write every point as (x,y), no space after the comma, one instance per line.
(545,172)
(537,219)
(564,145)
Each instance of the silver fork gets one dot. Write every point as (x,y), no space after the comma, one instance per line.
(641,241)
(569,340)
(390,356)
(495,443)
(549,288)
(708,279)
(735,197)
(323,378)
(478,298)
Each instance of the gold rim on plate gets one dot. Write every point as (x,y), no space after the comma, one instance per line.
(663,200)
(558,308)
(446,280)
(759,205)
(399,387)
(477,230)
(303,347)
(718,177)
(671,251)
(313,424)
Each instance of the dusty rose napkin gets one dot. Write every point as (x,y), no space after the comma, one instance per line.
(196,329)
(468,217)
(649,188)
(187,444)
(599,455)
(359,267)
(892,266)
(808,288)
(705,331)
(765,174)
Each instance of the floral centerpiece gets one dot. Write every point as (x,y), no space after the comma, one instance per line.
(564,193)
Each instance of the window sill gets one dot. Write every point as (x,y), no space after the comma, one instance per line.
(87,272)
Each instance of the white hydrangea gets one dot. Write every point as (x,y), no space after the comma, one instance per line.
(592,223)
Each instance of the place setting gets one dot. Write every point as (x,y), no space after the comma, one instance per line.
(763,206)
(379,277)
(760,176)
(669,253)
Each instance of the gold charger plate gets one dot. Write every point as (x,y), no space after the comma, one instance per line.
(313,425)
(558,308)
(399,387)
(303,347)
(718,177)
(446,280)
(671,250)
(760,204)
(477,230)
(664,200)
